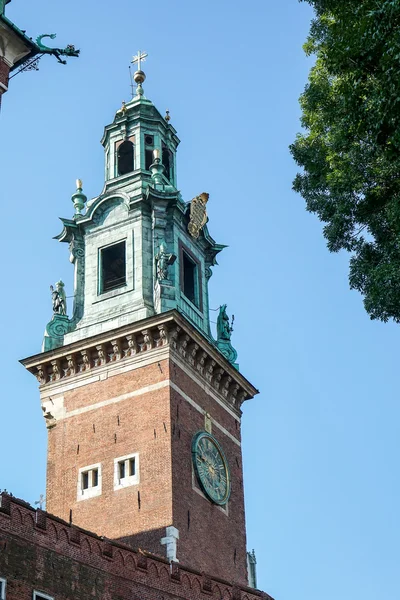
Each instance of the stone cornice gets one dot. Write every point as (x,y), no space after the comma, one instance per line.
(140,339)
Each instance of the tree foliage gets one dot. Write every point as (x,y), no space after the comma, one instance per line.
(350,148)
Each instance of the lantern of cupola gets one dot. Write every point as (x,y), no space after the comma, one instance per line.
(139,130)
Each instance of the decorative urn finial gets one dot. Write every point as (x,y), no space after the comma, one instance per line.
(79,198)
(157,168)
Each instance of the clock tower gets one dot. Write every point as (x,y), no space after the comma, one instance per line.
(142,405)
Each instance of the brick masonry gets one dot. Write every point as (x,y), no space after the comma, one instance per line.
(148,398)
(139,424)
(212,538)
(159,425)
(41,552)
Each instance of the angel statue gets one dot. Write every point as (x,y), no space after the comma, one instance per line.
(59,299)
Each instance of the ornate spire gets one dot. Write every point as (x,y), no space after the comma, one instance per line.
(139,76)
(78,198)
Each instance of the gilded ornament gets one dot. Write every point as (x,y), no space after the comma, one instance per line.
(198,214)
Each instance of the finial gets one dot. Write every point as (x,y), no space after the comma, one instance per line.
(167,117)
(79,198)
(139,76)
(157,168)
(123,109)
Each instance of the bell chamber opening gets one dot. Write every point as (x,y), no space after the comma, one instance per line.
(125,157)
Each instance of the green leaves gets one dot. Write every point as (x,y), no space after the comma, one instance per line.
(350,148)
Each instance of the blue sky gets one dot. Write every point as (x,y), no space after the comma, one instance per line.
(321,439)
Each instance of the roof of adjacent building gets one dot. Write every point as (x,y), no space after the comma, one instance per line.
(57,557)
(29,42)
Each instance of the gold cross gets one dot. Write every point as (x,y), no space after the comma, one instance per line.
(140,56)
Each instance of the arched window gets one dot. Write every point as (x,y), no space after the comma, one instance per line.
(125,157)
(148,151)
(167,161)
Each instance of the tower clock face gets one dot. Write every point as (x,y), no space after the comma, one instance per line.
(211,468)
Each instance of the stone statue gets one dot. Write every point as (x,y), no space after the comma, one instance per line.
(224,328)
(163,260)
(59,299)
(224,333)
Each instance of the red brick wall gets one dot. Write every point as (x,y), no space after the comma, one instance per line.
(160,426)
(42,553)
(101,435)
(211,539)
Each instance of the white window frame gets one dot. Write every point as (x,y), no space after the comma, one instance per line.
(41,596)
(120,483)
(3,583)
(92,490)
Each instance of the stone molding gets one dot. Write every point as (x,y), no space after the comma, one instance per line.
(169,330)
(18,518)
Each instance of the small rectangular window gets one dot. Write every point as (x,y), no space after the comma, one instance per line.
(90,479)
(112,267)
(85,480)
(189,278)
(41,596)
(2,589)
(89,482)
(126,471)
(95,477)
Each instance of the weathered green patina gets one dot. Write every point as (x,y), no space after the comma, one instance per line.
(69,50)
(139,225)
(3,5)
(224,333)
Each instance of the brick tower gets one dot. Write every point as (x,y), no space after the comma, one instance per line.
(142,405)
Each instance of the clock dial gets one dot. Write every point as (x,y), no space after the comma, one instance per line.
(211,468)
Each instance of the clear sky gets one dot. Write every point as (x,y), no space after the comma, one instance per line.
(320,441)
